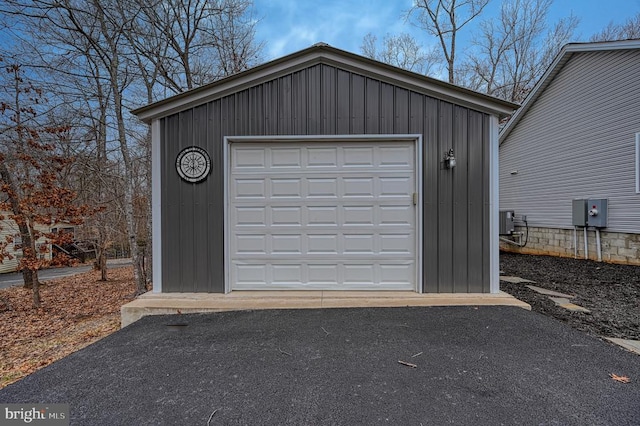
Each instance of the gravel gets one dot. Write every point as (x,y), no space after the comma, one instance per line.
(611,292)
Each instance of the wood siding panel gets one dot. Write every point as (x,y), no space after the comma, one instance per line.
(324,100)
(577,141)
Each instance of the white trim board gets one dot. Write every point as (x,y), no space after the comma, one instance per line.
(156,205)
(494,207)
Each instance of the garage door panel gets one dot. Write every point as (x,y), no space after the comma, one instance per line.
(357,187)
(358,157)
(249,216)
(358,244)
(322,216)
(395,274)
(322,157)
(396,243)
(250,274)
(322,244)
(286,216)
(359,215)
(286,188)
(394,215)
(322,274)
(395,186)
(328,216)
(251,244)
(286,244)
(249,189)
(286,158)
(396,157)
(287,274)
(249,159)
(359,274)
(322,187)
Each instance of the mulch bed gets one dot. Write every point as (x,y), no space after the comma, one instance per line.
(611,292)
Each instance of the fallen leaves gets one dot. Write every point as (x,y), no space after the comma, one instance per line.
(621,379)
(76,311)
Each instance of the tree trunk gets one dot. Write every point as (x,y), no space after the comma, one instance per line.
(103,266)
(30,276)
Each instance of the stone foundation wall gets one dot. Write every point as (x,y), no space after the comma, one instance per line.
(616,247)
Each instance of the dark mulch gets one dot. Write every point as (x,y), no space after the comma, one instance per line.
(611,292)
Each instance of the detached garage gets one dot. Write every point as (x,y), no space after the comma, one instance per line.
(325,170)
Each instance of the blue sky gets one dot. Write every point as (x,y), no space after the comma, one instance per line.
(290,25)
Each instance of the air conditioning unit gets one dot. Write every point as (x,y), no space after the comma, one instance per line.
(506,222)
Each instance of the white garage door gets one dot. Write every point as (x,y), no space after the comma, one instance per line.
(322,215)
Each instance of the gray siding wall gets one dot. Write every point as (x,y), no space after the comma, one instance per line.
(324,100)
(578,141)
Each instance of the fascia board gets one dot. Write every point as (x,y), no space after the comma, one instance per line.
(556,66)
(220,89)
(424,85)
(330,56)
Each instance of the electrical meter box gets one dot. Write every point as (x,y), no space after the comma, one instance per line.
(579,212)
(597,212)
(507,225)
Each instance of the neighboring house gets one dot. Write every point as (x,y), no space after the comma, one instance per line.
(577,136)
(325,170)
(9,228)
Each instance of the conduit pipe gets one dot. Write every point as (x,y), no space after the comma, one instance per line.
(586,245)
(598,246)
(575,242)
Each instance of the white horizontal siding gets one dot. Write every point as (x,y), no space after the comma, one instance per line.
(578,141)
(8,228)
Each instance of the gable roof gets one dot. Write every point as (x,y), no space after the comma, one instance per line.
(565,55)
(322,53)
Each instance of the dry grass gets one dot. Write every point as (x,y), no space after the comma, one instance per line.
(76,311)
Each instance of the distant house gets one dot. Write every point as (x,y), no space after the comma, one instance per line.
(9,228)
(577,137)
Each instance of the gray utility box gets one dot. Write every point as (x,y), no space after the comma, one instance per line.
(597,212)
(579,212)
(506,222)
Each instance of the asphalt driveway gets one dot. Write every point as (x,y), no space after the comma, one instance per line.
(485,365)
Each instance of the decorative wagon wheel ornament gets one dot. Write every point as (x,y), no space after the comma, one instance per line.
(193,164)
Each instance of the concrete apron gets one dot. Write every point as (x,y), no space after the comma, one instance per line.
(187,303)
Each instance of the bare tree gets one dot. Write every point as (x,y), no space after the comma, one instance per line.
(628,30)
(104,57)
(33,158)
(444,19)
(402,51)
(513,50)
(182,45)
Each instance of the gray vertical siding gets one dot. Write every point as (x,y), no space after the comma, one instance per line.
(325,100)
(577,141)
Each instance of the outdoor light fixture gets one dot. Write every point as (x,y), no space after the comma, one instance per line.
(449,160)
